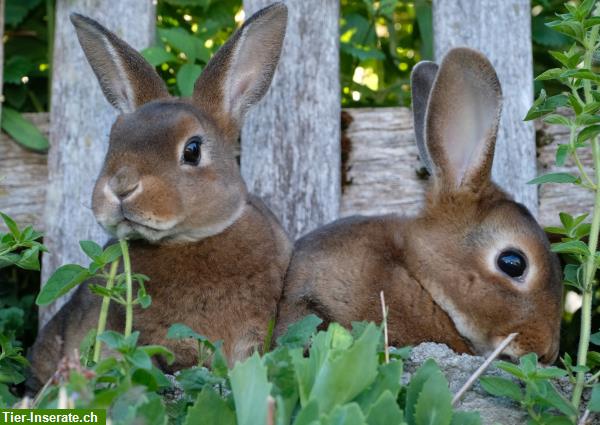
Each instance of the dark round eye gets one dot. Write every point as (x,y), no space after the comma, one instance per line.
(512,263)
(191,152)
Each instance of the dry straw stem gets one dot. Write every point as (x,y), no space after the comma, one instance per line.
(270,410)
(483,368)
(385,328)
(584,418)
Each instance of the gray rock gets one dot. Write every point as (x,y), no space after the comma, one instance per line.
(459,367)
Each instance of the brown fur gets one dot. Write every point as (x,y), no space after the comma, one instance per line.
(215,255)
(438,271)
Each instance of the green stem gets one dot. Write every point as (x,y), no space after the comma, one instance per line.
(129,286)
(104,309)
(589,183)
(588,284)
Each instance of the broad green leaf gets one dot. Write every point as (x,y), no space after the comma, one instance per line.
(571,247)
(210,409)
(588,133)
(91,249)
(562,152)
(548,393)
(583,74)
(157,55)
(550,372)
(415,387)
(333,384)
(594,404)
(298,334)
(388,381)
(153,412)
(348,414)
(558,119)
(385,411)
(511,368)
(501,387)
(595,338)
(112,339)
(62,281)
(22,131)
(528,363)
(554,178)
(434,404)
(139,359)
(181,40)
(186,78)
(111,253)
(30,259)
(550,74)
(308,415)
(159,350)
(181,331)
(571,28)
(250,389)
(566,219)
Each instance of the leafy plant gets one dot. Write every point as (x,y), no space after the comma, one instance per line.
(579,240)
(19,247)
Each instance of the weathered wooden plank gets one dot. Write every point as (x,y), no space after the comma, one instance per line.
(507,43)
(381,170)
(80,122)
(24,178)
(290,149)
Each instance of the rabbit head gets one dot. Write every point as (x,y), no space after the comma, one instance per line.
(481,255)
(170,173)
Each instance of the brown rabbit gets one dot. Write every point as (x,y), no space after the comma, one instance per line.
(472,268)
(215,255)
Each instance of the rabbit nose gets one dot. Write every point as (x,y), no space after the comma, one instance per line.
(124,182)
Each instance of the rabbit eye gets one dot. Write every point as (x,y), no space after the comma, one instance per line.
(512,263)
(191,152)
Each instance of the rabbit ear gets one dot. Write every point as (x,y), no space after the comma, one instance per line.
(462,119)
(127,80)
(422,77)
(241,71)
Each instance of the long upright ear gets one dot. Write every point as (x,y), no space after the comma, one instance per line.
(241,71)
(127,80)
(421,81)
(462,119)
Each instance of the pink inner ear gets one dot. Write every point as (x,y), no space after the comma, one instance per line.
(468,131)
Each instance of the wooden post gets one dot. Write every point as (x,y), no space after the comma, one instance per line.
(291,140)
(81,119)
(1,55)
(502,31)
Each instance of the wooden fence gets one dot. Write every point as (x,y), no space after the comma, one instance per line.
(381,171)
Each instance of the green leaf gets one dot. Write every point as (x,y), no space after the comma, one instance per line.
(595,338)
(152,412)
(349,414)
(186,78)
(298,334)
(554,178)
(385,411)
(550,373)
(561,154)
(594,404)
(62,281)
(588,133)
(548,393)
(415,387)
(333,384)
(11,225)
(181,40)
(111,253)
(112,339)
(501,387)
(30,259)
(550,74)
(510,368)
(140,359)
(558,119)
(571,247)
(91,249)
(158,55)
(22,131)
(434,405)
(210,409)
(388,380)
(250,389)
(159,350)
(181,331)
(582,74)
(308,415)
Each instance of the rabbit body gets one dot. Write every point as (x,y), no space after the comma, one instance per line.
(469,270)
(215,255)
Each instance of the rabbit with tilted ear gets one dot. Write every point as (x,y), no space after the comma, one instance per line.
(472,268)
(215,255)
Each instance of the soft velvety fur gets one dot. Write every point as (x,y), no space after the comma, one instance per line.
(215,255)
(438,271)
